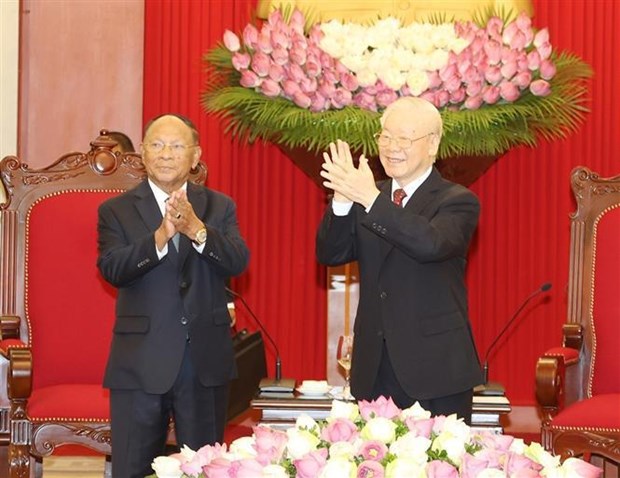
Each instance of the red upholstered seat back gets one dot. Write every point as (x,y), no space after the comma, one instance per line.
(606,304)
(69,307)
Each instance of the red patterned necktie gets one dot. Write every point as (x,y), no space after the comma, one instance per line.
(399,195)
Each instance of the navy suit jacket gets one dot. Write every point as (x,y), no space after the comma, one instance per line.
(412,292)
(166,305)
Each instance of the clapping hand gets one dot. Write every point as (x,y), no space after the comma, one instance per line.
(348,182)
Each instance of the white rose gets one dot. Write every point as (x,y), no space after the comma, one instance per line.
(307,422)
(274,471)
(457,427)
(393,78)
(380,429)
(366,77)
(411,446)
(339,468)
(416,412)
(453,445)
(404,468)
(346,410)
(187,453)
(436,60)
(354,63)
(167,467)
(243,447)
(332,46)
(300,442)
(518,446)
(343,450)
(383,33)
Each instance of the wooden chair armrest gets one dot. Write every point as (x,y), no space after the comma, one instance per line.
(551,385)
(9,327)
(19,376)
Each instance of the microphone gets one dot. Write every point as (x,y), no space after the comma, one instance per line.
(279,384)
(495,388)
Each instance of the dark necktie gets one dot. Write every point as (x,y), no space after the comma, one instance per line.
(399,195)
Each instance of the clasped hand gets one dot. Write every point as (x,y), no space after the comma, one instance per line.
(348,182)
(179,217)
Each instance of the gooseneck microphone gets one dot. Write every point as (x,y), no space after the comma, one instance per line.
(279,384)
(498,390)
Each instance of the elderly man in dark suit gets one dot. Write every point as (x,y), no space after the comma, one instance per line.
(410,235)
(168,246)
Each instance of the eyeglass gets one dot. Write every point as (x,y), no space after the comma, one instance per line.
(176,148)
(385,140)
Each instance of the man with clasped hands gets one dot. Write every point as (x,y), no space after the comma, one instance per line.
(169,246)
(413,340)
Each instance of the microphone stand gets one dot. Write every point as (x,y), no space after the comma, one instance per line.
(494,388)
(279,384)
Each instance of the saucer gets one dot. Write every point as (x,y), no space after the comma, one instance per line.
(317,392)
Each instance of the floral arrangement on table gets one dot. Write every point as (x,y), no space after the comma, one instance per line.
(497,82)
(373,440)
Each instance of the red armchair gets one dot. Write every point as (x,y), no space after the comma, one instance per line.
(57,312)
(578,384)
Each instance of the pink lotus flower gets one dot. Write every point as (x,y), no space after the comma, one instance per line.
(508,91)
(250,36)
(280,56)
(382,407)
(269,444)
(311,464)
(340,430)
(540,88)
(342,98)
(493,75)
(473,102)
(547,70)
(490,95)
(523,79)
(241,61)
(260,64)
(298,55)
(263,43)
(313,66)
(290,88)
(231,41)
(249,79)
(533,60)
(302,100)
(276,72)
(319,103)
(516,462)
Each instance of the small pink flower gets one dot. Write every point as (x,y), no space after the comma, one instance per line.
(540,88)
(349,81)
(264,42)
(441,99)
(493,75)
(533,60)
(421,427)
(472,465)
(494,27)
(297,21)
(523,79)
(441,469)
(276,72)
(541,38)
(515,462)
(370,469)
(241,61)
(474,88)
(457,96)
(373,450)
(509,91)
(582,468)
(295,72)
(493,441)
(313,66)
(319,103)
(280,56)
(220,468)
(342,98)
(509,69)
(386,97)
(249,468)
(298,55)
(249,79)
(365,101)
(308,85)
(279,40)
(473,102)
(547,70)
(381,407)
(310,465)
(434,81)
(544,51)
(231,41)
(290,88)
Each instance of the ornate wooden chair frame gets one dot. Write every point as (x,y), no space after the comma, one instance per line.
(99,170)
(565,375)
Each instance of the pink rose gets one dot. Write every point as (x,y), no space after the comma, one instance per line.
(373,450)
(441,469)
(509,32)
(310,465)
(421,427)
(582,468)
(340,429)
(452,84)
(249,79)
(494,27)
(370,469)
(231,41)
(540,88)
(365,101)
(547,70)
(220,468)
(249,468)
(250,36)
(509,91)
(260,64)
(493,457)
(493,441)
(241,61)
(526,473)
(386,97)
(515,462)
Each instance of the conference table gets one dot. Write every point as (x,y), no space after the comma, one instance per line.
(281,410)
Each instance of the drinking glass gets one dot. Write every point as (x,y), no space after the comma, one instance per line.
(345,353)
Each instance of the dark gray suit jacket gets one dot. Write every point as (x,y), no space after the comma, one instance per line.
(162,303)
(412,291)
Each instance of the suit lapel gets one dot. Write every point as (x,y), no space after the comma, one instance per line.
(147,206)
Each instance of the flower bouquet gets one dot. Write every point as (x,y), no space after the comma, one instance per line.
(373,440)
(497,82)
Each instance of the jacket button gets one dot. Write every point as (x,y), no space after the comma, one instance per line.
(383,295)
(184,320)
(184,285)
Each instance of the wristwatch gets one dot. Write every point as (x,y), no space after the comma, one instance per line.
(201,236)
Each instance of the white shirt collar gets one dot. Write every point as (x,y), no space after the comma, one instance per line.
(161,196)
(413,186)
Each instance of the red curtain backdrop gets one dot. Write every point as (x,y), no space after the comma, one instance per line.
(523,238)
